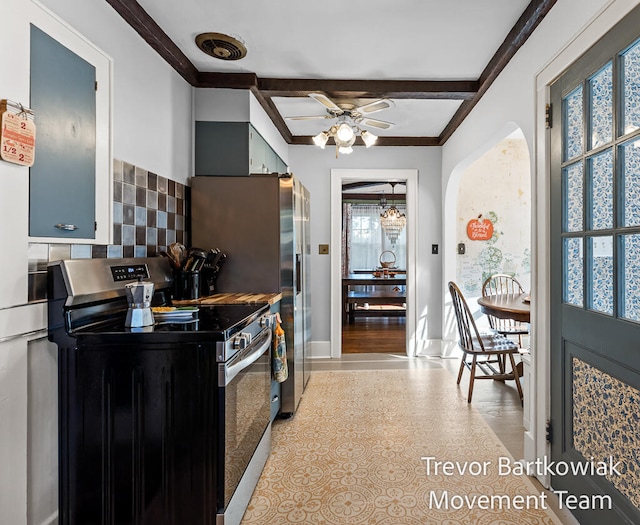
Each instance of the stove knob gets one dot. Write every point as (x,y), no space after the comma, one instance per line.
(267,321)
(241,341)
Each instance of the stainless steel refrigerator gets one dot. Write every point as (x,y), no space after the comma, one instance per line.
(262,223)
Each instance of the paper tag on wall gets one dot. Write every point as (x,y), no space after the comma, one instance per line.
(17,135)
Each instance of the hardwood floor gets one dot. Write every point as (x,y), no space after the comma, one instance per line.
(374,335)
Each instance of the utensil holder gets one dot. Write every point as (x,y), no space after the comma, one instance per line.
(186,285)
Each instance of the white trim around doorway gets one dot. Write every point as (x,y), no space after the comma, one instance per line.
(383,175)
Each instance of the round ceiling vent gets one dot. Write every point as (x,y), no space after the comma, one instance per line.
(221,46)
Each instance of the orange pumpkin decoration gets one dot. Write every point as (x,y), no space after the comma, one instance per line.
(480,229)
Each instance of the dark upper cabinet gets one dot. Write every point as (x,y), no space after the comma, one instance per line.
(233,148)
(70,93)
(63,176)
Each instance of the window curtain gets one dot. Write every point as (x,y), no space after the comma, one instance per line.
(364,239)
(346,236)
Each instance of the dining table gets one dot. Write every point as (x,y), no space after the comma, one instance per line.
(516,306)
(370,279)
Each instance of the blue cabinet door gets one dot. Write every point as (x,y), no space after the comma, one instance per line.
(62,178)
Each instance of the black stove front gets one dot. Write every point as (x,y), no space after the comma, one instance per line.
(157,424)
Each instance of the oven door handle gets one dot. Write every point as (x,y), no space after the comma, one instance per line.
(245,358)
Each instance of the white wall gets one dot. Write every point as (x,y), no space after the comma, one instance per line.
(152,128)
(313,166)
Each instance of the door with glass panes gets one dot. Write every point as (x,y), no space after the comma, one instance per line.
(595,280)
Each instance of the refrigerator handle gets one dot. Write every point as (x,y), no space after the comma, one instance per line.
(298,272)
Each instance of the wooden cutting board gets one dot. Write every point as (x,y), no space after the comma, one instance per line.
(234,298)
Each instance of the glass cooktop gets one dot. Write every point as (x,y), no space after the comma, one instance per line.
(211,323)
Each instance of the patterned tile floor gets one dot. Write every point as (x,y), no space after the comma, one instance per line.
(352,455)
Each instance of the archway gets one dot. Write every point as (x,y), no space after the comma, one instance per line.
(490,167)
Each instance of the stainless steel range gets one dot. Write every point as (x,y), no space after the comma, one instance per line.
(167,423)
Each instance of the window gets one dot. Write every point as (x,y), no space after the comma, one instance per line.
(365,239)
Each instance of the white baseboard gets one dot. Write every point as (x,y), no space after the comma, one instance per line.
(320,350)
(430,347)
(426,347)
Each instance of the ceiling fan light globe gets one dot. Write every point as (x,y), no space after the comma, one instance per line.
(345,143)
(345,132)
(369,138)
(345,150)
(321,139)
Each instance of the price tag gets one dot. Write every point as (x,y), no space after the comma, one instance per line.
(17,137)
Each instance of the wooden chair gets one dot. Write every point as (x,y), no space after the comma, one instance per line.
(488,353)
(498,284)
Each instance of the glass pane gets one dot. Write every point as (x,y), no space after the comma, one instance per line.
(601,275)
(631,277)
(601,107)
(630,166)
(574,124)
(601,191)
(573,272)
(573,190)
(631,80)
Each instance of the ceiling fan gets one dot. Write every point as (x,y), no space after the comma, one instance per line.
(349,119)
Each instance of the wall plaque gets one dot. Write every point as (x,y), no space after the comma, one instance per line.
(17,133)
(480,229)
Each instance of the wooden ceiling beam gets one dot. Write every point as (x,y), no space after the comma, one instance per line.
(152,33)
(399,198)
(306,140)
(226,80)
(369,183)
(273,113)
(398,89)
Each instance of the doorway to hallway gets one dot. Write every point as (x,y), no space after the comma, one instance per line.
(374,264)
(338,178)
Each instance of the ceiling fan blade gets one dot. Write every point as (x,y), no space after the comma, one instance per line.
(310,117)
(372,107)
(327,103)
(374,123)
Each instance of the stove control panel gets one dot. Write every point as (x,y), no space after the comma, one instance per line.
(129,272)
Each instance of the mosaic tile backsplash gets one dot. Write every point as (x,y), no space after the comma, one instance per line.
(605,424)
(150,212)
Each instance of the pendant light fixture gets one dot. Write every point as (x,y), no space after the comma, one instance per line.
(392,220)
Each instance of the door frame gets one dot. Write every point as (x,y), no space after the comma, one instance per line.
(382,175)
(536,445)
